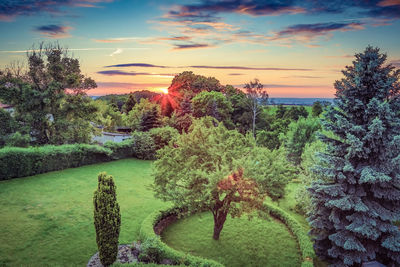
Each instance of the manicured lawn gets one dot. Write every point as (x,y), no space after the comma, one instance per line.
(242,242)
(47,219)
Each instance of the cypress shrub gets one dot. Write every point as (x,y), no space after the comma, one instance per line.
(107,219)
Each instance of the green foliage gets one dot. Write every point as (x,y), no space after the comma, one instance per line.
(317,109)
(143,145)
(213,104)
(309,159)
(151,250)
(163,135)
(18,140)
(20,162)
(178,257)
(53,212)
(305,244)
(294,113)
(130,103)
(356,199)
(107,219)
(257,96)
(108,116)
(8,126)
(122,149)
(197,171)
(299,134)
(271,171)
(241,114)
(144,116)
(40,99)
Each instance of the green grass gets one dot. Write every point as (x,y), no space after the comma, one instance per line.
(47,219)
(242,242)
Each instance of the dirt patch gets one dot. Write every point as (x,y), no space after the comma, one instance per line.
(126,254)
(164,223)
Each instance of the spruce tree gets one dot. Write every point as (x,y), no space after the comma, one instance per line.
(107,219)
(356,199)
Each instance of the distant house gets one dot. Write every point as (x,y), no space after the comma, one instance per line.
(7,107)
(114,137)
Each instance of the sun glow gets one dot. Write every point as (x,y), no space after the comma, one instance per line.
(164,90)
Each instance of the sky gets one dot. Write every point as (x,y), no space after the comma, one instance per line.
(295,48)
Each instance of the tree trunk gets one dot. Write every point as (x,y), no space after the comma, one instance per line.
(254,121)
(219,220)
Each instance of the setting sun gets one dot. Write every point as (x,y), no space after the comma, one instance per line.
(164,90)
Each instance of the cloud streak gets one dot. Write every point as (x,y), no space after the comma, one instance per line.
(147,65)
(9,9)
(190,46)
(54,31)
(143,65)
(125,73)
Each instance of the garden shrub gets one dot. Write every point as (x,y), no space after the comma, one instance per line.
(163,135)
(107,219)
(177,257)
(143,145)
(20,162)
(305,244)
(121,150)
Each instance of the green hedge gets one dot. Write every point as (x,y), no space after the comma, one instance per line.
(178,257)
(305,244)
(124,149)
(20,162)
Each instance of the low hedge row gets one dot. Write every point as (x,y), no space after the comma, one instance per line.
(20,162)
(178,257)
(305,244)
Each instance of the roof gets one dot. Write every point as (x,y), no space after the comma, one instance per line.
(5,105)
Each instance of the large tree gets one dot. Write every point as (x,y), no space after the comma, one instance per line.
(213,104)
(257,96)
(357,198)
(212,168)
(38,94)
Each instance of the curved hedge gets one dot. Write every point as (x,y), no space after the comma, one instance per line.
(178,257)
(147,231)
(305,244)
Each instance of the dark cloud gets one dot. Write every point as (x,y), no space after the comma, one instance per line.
(209,8)
(145,65)
(12,8)
(243,68)
(175,38)
(190,46)
(235,74)
(53,30)
(254,7)
(317,29)
(125,73)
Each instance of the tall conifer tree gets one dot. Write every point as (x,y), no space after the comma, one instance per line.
(357,198)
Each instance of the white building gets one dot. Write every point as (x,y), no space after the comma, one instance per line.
(115,137)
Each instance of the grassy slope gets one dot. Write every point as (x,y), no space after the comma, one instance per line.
(48,218)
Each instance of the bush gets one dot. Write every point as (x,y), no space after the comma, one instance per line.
(162,136)
(107,219)
(305,244)
(151,251)
(143,145)
(20,162)
(121,150)
(18,139)
(177,257)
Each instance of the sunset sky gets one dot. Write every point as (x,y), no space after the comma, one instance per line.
(295,48)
